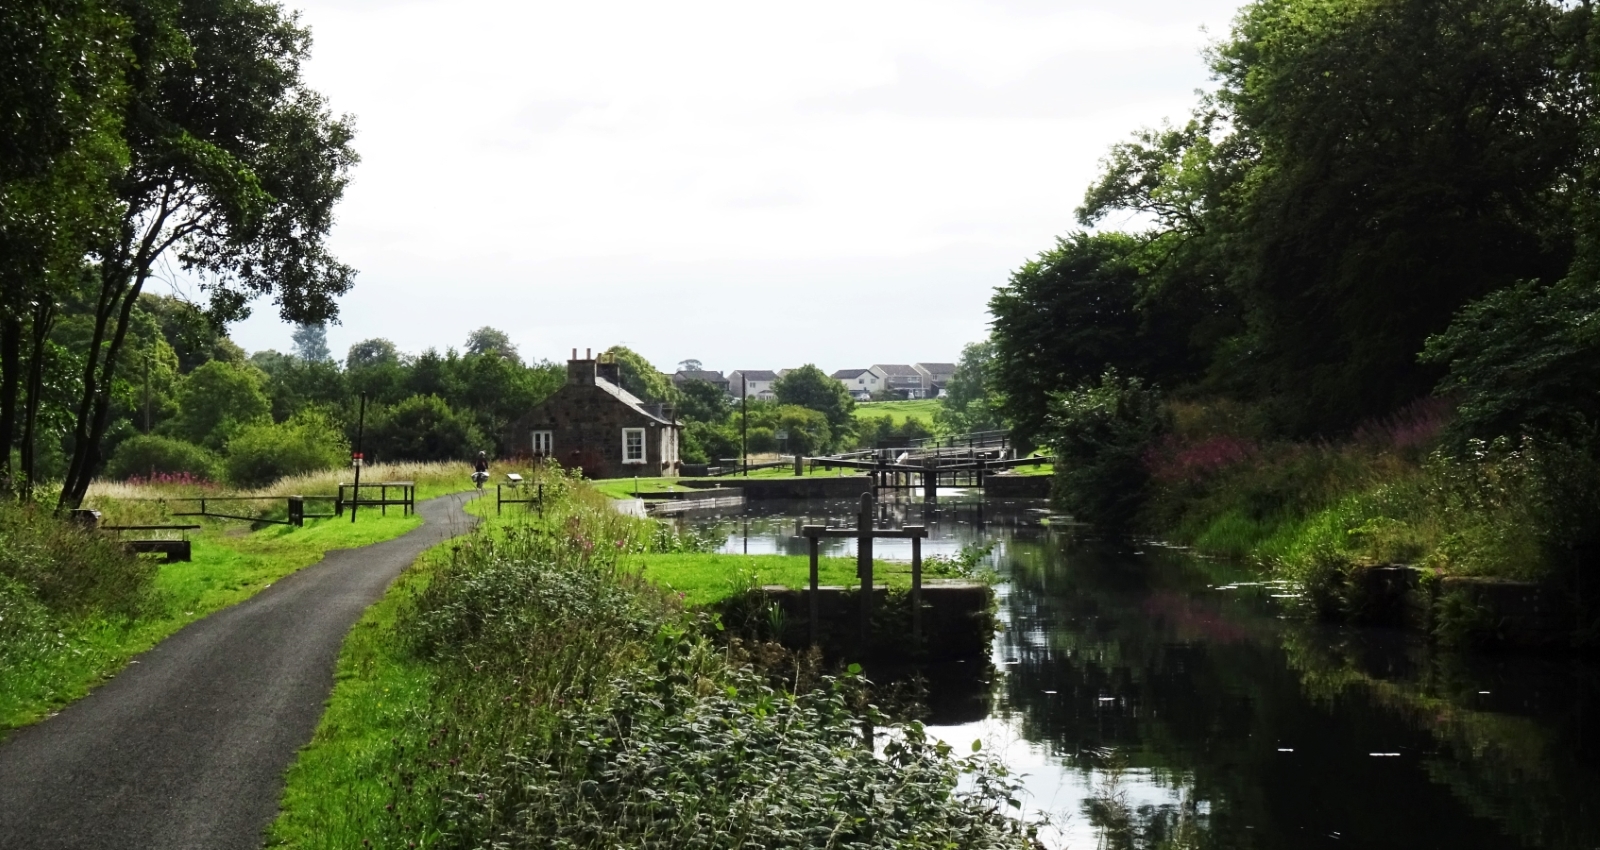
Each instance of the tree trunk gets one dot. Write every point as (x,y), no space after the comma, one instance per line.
(102,403)
(10,371)
(44,317)
(113,280)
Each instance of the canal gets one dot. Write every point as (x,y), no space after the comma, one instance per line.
(1152,699)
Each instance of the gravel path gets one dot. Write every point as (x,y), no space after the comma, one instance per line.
(187,747)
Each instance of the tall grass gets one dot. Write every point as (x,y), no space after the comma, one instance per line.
(527,687)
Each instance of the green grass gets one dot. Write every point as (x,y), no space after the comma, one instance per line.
(706,579)
(624,488)
(507,672)
(370,715)
(229,565)
(899,411)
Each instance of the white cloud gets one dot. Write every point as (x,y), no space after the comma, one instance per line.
(753,185)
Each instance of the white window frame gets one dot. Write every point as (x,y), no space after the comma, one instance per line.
(643,452)
(544,443)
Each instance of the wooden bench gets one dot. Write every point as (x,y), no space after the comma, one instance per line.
(175,550)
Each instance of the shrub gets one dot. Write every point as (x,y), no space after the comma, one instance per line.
(423,427)
(65,568)
(217,399)
(1100,436)
(261,454)
(153,456)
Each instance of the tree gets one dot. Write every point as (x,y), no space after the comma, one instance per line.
(65,67)
(424,428)
(1066,317)
(487,340)
(310,441)
(1100,434)
(311,342)
(702,401)
(970,403)
(1361,172)
(690,366)
(639,377)
(371,352)
(218,399)
(235,166)
(811,388)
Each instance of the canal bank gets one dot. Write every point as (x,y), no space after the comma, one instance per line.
(1143,690)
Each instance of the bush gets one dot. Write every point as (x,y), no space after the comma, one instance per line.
(261,454)
(150,455)
(423,427)
(1100,436)
(65,568)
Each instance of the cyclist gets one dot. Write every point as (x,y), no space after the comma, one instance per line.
(480,470)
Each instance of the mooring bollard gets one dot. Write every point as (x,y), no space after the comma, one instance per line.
(864,566)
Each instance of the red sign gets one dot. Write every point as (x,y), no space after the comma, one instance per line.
(355,455)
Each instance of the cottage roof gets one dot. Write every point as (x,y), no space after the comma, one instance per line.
(630,399)
(699,375)
(848,374)
(755,374)
(939,368)
(896,370)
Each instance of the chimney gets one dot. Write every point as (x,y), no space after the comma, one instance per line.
(609,369)
(580,372)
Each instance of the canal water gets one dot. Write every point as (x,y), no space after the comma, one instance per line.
(1152,699)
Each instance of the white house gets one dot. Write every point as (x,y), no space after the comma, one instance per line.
(900,379)
(755,383)
(934,377)
(861,383)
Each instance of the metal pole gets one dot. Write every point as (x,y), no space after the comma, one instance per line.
(361,425)
(744,424)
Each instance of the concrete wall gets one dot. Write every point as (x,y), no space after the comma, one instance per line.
(957,621)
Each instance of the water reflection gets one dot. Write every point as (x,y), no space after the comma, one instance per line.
(1157,700)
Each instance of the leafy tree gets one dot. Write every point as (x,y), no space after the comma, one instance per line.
(970,403)
(1066,317)
(144,455)
(311,342)
(193,335)
(702,401)
(487,340)
(1100,434)
(641,378)
(372,352)
(1362,171)
(690,366)
(234,165)
(1525,360)
(882,432)
(424,428)
(811,388)
(263,453)
(218,399)
(65,70)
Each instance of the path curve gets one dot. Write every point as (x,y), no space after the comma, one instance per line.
(187,748)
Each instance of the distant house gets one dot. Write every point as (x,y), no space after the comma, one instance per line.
(861,383)
(594,424)
(713,378)
(901,379)
(755,383)
(934,377)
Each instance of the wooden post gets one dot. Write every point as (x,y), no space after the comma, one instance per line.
(811,532)
(297,511)
(864,567)
(799,465)
(916,586)
(498,499)
(383,496)
(930,480)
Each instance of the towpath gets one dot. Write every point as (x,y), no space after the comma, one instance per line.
(187,747)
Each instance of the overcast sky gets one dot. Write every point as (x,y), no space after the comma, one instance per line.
(755,185)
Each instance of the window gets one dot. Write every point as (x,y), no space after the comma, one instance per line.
(542,443)
(633,445)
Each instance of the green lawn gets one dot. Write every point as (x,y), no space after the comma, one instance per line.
(230,565)
(899,411)
(704,579)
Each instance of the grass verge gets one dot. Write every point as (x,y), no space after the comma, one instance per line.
(526,686)
(55,649)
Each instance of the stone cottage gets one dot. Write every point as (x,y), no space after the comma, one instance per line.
(594,424)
